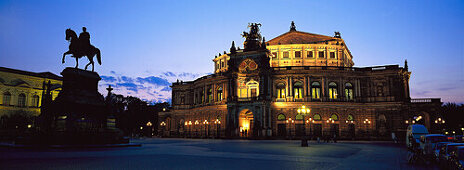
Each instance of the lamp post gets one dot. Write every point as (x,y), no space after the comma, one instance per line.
(289,122)
(163,125)
(185,125)
(195,126)
(217,122)
(439,122)
(149,124)
(303,110)
(367,122)
(206,124)
(190,128)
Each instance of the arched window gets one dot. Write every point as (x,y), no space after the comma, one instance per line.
(6,98)
(35,101)
(298,90)
(219,94)
(349,91)
(350,117)
(252,88)
(334,117)
(316,90)
(281,117)
(299,117)
(317,117)
(22,100)
(280,90)
(333,90)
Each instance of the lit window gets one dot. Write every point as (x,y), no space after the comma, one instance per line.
(298,90)
(349,91)
(210,95)
(333,90)
(309,54)
(281,117)
(350,117)
(280,90)
(219,94)
(21,100)
(316,90)
(334,117)
(317,117)
(285,54)
(297,54)
(299,117)
(321,54)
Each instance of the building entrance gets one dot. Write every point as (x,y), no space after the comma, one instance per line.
(246,123)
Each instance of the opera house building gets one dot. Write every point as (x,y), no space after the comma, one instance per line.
(294,85)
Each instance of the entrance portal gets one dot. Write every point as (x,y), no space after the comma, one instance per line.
(246,123)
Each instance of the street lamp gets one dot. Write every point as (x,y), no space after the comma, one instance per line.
(367,122)
(149,124)
(196,129)
(206,124)
(190,128)
(185,125)
(217,122)
(289,122)
(303,110)
(439,122)
(163,125)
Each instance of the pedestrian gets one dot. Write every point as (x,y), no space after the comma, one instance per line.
(318,139)
(335,138)
(394,137)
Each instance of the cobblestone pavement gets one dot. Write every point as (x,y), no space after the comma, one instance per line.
(216,154)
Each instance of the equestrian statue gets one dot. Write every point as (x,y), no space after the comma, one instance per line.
(80,47)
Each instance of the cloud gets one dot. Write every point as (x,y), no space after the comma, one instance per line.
(151,89)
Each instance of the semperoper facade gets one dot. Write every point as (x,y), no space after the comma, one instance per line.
(297,84)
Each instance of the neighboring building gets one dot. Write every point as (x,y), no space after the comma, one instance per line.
(23,90)
(296,84)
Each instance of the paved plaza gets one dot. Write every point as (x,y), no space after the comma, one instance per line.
(215,154)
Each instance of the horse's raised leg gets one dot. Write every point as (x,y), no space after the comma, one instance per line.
(64,54)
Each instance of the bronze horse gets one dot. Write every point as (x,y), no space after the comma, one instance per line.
(77,50)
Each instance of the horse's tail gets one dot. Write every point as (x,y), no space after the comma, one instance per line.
(98,56)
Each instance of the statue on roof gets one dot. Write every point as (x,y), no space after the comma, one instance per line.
(80,47)
(292,26)
(337,34)
(252,38)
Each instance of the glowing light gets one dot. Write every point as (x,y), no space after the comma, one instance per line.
(406,121)
(141,127)
(185,123)
(149,124)
(29,126)
(190,122)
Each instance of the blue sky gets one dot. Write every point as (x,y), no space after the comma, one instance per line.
(141,38)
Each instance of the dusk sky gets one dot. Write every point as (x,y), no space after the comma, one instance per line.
(144,38)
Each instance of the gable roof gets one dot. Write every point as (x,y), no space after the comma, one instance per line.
(42,75)
(298,37)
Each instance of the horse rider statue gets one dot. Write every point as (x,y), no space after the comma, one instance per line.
(80,46)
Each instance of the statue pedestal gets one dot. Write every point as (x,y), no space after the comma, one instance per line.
(79,112)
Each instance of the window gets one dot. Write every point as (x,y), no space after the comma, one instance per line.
(350,117)
(309,54)
(286,54)
(281,117)
(6,98)
(316,90)
(379,90)
(219,94)
(280,90)
(349,91)
(22,100)
(222,64)
(332,54)
(297,54)
(274,55)
(298,90)
(321,54)
(202,96)
(317,117)
(299,117)
(334,117)
(333,90)
(210,95)
(35,101)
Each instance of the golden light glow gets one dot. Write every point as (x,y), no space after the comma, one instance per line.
(29,126)
(185,123)
(149,124)
(190,122)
